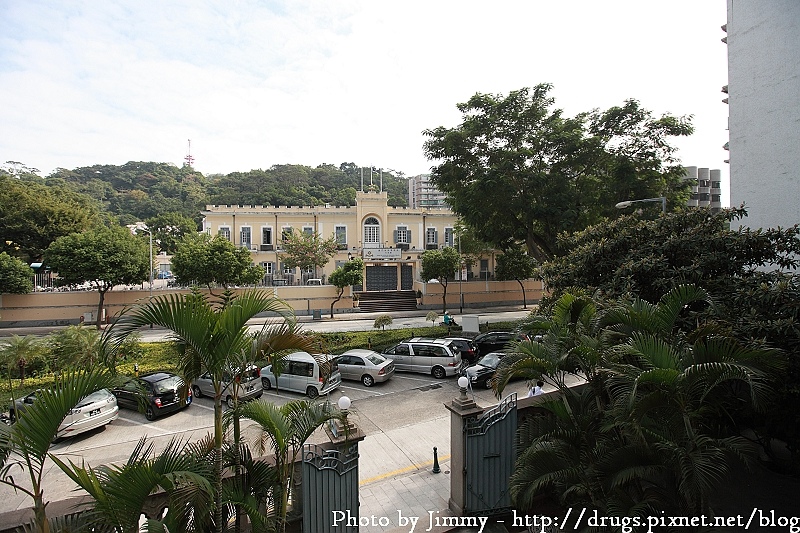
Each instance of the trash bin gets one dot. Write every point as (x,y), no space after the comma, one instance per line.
(316,314)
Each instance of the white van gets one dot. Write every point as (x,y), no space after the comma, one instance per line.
(438,357)
(304,373)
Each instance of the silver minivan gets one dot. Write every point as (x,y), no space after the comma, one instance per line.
(437,357)
(304,373)
(243,387)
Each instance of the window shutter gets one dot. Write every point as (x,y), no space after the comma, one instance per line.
(394,234)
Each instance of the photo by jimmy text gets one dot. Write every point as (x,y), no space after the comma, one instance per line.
(433,519)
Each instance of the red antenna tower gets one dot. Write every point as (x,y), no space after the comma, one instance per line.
(188,161)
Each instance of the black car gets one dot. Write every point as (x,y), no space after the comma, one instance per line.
(494,341)
(480,373)
(467,349)
(157,393)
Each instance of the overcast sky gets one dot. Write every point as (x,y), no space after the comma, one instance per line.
(258,83)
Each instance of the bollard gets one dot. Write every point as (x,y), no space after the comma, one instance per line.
(369,342)
(436,468)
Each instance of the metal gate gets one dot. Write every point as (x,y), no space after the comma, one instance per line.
(489,456)
(381,278)
(406,277)
(330,490)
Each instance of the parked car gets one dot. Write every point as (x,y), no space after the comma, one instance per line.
(156,393)
(307,374)
(244,386)
(94,411)
(468,352)
(365,366)
(166,274)
(480,373)
(437,357)
(495,341)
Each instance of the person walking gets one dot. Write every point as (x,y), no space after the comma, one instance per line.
(537,390)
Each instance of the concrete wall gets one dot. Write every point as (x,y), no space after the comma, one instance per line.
(61,308)
(764,100)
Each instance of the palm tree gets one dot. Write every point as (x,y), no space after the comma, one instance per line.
(25,444)
(283,431)
(211,335)
(120,492)
(20,352)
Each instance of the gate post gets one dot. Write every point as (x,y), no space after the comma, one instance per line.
(461,409)
(330,477)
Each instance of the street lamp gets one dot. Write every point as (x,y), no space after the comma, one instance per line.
(150,233)
(662,199)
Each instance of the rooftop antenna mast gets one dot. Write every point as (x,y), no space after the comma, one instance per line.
(188,161)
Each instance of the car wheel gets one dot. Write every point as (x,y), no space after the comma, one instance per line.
(367,380)
(438,372)
(487,383)
(312,392)
(196,391)
(265,384)
(229,401)
(12,416)
(149,413)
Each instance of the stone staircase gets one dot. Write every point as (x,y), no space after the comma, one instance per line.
(387,301)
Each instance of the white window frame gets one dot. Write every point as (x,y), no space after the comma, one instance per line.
(249,242)
(342,234)
(403,235)
(270,234)
(224,231)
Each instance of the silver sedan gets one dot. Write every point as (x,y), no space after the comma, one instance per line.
(365,366)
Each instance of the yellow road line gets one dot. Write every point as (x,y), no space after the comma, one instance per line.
(402,470)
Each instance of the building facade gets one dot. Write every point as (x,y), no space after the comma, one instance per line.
(423,194)
(764,109)
(388,239)
(706,187)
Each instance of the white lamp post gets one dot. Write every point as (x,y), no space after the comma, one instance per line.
(662,199)
(150,261)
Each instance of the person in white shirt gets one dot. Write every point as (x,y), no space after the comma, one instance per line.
(537,390)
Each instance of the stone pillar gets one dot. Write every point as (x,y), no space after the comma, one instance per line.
(461,409)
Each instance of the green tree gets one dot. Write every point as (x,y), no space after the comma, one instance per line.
(440,265)
(214,338)
(206,261)
(32,216)
(16,277)
(169,229)
(516,264)
(20,353)
(74,347)
(647,434)
(349,274)
(518,170)
(382,321)
(102,256)
(308,250)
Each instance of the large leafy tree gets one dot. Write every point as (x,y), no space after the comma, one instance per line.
(308,250)
(516,264)
(102,256)
(517,170)
(440,265)
(208,261)
(33,215)
(169,229)
(16,277)
(349,274)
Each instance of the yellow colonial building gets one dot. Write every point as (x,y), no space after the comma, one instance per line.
(388,239)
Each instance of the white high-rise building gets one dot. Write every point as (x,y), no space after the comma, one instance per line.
(422,193)
(763,38)
(706,187)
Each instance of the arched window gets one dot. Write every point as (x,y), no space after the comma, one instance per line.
(372,233)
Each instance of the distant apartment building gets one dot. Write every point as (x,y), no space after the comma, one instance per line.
(422,193)
(763,93)
(706,187)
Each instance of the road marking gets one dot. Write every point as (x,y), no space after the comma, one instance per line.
(399,471)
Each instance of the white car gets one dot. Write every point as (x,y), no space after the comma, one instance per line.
(95,410)
(365,366)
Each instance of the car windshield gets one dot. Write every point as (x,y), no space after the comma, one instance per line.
(97,396)
(168,384)
(490,360)
(375,359)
